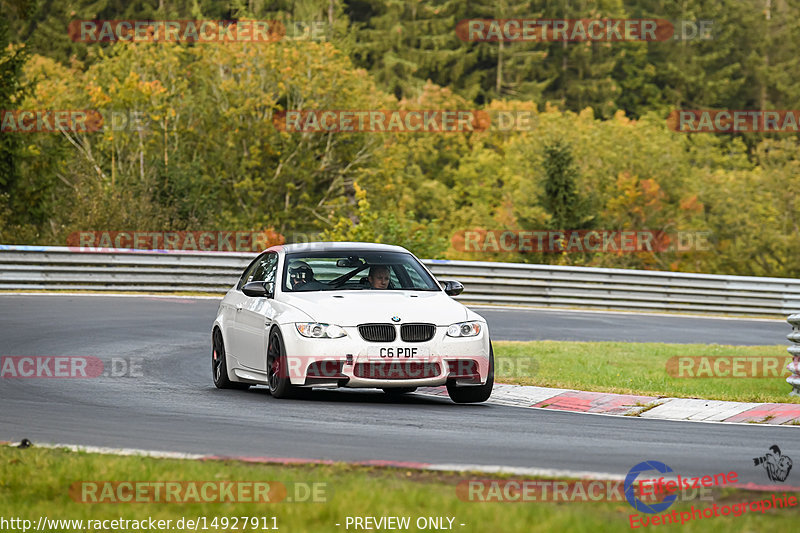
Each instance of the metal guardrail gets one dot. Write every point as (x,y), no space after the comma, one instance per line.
(621,289)
(43,267)
(794,350)
(36,267)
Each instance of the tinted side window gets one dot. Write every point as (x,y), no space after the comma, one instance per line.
(266,269)
(248,272)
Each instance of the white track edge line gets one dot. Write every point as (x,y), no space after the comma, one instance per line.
(441,467)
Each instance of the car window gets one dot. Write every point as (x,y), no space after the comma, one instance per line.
(267,268)
(412,274)
(263,268)
(345,270)
(247,275)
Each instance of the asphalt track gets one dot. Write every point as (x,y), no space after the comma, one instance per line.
(173,405)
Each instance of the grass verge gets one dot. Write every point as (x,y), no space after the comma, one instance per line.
(638,368)
(36,483)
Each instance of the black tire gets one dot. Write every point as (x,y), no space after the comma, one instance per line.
(277,369)
(399,391)
(474,394)
(219,364)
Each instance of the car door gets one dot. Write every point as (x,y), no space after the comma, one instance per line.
(252,321)
(232,304)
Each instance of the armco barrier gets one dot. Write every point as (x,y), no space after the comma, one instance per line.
(34,267)
(42,267)
(794,350)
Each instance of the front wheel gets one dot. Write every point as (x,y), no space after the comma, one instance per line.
(219,364)
(474,394)
(277,369)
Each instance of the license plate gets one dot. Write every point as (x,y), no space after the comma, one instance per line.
(399,353)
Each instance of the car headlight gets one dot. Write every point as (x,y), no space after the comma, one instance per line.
(316,330)
(464,329)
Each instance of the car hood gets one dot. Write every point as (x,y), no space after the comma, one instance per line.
(350,308)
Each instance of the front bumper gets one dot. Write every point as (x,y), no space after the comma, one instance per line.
(351,361)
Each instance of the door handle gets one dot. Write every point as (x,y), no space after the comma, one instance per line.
(238,307)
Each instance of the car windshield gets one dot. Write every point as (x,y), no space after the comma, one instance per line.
(351,270)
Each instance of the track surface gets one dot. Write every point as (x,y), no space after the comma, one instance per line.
(527,325)
(175,407)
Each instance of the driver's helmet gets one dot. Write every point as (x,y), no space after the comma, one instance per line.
(299,273)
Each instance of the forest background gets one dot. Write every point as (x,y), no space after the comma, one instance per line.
(206,155)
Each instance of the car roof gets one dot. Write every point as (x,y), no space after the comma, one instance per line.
(338,246)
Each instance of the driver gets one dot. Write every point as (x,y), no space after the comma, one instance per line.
(378,276)
(299,274)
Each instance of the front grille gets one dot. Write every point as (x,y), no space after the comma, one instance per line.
(396,370)
(377,332)
(417,332)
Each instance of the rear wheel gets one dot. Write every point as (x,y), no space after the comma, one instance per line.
(474,394)
(398,391)
(277,369)
(219,364)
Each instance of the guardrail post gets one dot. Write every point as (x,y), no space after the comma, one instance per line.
(794,350)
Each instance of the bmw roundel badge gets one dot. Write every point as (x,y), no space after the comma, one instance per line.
(395,318)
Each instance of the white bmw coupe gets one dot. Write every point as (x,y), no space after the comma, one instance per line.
(349,315)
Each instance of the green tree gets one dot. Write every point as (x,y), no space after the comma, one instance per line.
(561,200)
(12,59)
(368,225)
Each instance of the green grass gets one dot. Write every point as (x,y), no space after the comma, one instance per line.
(35,482)
(635,368)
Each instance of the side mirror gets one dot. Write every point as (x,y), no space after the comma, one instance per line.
(259,289)
(453,288)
